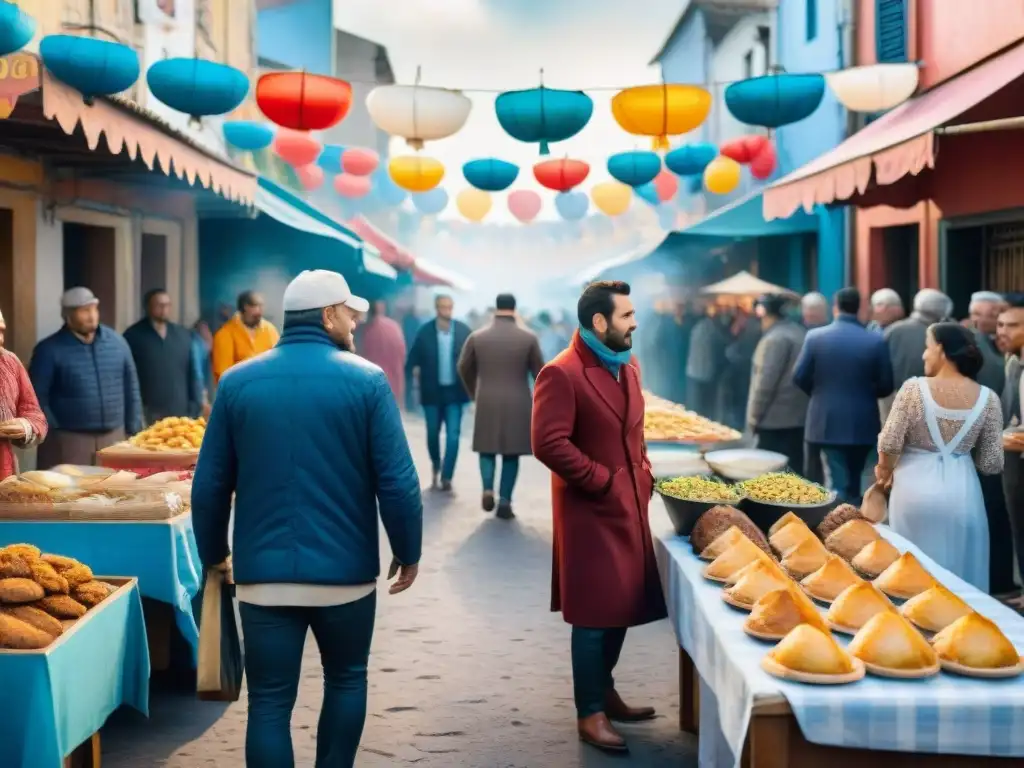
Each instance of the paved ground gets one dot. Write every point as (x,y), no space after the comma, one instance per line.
(469,668)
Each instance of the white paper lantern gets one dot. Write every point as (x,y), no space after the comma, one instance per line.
(874,88)
(417,113)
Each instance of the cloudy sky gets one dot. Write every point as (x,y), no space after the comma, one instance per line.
(486,46)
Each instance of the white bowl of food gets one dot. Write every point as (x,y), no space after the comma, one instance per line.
(744,463)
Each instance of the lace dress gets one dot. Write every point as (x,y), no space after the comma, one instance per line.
(936,502)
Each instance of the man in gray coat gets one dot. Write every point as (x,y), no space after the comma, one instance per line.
(984,310)
(907,338)
(705,362)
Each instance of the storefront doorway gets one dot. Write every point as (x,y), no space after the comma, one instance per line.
(901,246)
(982,254)
(90,260)
(153,266)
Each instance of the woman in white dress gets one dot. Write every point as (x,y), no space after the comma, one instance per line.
(925,451)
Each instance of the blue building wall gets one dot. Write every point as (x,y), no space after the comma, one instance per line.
(298,35)
(687,59)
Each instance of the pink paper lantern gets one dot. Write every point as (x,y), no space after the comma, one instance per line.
(666,185)
(524,204)
(296,148)
(762,166)
(347,185)
(310,177)
(359,162)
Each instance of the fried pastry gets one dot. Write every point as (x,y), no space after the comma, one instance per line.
(45,576)
(905,578)
(60,563)
(851,537)
(36,617)
(738,555)
(974,641)
(722,543)
(832,578)
(813,651)
(17,591)
(788,537)
(805,558)
(13,566)
(935,609)
(17,635)
(856,604)
(888,640)
(782,522)
(26,551)
(62,607)
(92,593)
(757,580)
(875,558)
(778,611)
(837,518)
(77,574)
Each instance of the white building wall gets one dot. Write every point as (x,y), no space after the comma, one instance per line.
(49,270)
(738,56)
(356,61)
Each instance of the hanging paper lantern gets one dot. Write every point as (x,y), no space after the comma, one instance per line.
(763,165)
(17,28)
(296,148)
(634,168)
(385,191)
(543,115)
(347,185)
(330,158)
(775,100)
(665,186)
(303,101)
(415,173)
(524,204)
(432,202)
(418,114)
(359,162)
(690,160)
(572,206)
(722,176)
(561,175)
(490,174)
(91,66)
(660,111)
(745,148)
(647,193)
(197,87)
(474,204)
(611,197)
(874,88)
(247,135)
(310,176)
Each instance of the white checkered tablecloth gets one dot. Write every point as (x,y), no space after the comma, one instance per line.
(941,715)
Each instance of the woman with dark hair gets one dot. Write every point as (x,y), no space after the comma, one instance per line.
(925,450)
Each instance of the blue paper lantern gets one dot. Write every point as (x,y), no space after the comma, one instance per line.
(775,100)
(247,135)
(330,158)
(490,174)
(572,206)
(385,191)
(197,87)
(17,28)
(634,168)
(648,193)
(91,66)
(543,115)
(432,202)
(690,160)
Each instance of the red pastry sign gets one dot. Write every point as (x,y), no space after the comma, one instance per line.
(19,74)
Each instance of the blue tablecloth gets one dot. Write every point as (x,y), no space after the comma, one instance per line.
(53,700)
(161,554)
(941,715)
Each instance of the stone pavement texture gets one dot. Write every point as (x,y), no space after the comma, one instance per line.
(469,668)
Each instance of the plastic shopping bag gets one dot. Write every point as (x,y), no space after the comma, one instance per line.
(219,676)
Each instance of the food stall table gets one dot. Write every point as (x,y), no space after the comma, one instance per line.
(55,699)
(747,716)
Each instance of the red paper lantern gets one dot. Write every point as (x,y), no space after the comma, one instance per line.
(561,175)
(359,162)
(297,148)
(303,101)
(310,177)
(763,165)
(666,185)
(745,148)
(347,185)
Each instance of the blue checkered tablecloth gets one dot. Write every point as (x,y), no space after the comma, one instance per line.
(941,715)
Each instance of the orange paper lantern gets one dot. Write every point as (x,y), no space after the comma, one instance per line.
(303,101)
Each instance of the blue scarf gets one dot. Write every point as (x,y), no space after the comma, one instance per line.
(610,360)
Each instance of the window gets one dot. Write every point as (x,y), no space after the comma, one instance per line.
(890,31)
(811,19)
(748,65)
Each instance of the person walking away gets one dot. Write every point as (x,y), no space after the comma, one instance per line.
(814,310)
(309,441)
(86,382)
(906,338)
(925,449)
(496,367)
(739,359)
(1010,338)
(983,318)
(705,363)
(246,334)
(844,369)
(552,341)
(202,346)
(588,429)
(434,357)
(22,423)
(381,342)
(777,408)
(163,355)
(886,309)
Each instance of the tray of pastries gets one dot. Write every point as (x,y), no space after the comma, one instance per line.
(810,655)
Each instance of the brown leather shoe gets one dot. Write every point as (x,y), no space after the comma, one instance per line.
(487,501)
(621,712)
(598,732)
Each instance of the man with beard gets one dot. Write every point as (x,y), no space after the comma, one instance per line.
(1010,338)
(588,429)
(245,335)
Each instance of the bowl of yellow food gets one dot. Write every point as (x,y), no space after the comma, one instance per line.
(768,497)
(687,498)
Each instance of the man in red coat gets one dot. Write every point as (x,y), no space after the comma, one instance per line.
(588,429)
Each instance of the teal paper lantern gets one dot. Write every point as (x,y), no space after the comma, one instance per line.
(691,159)
(17,28)
(91,66)
(330,158)
(247,135)
(648,193)
(543,115)
(775,100)
(197,87)
(634,168)
(490,174)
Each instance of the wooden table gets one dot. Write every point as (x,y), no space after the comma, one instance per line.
(87,755)
(774,739)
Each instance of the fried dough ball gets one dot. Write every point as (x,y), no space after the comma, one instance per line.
(16,591)
(26,551)
(35,617)
(62,607)
(18,635)
(45,576)
(14,566)
(92,593)
(59,562)
(77,574)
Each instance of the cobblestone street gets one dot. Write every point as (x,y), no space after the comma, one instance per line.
(469,668)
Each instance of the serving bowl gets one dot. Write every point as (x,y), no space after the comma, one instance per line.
(745,463)
(684,512)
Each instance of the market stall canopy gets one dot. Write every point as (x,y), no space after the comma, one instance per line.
(393,253)
(744,218)
(898,144)
(428,273)
(745,284)
(628,257)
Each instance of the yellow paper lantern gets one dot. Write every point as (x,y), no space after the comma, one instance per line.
(660,111)
(416,173)
(611,197)
(474,204)
(722,175)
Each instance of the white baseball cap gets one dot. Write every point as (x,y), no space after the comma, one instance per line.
(319,288)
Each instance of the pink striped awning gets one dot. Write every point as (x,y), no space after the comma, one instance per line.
(393,253)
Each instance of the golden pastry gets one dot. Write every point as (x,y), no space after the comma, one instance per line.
(810,650)
(888,640)
(974,641)
(785,539)
(14,566)
(738,555)
(92,593)
(17,635)
(62,607)
(27,551)
(77,574)
(722,543)
(778,611)
(782,522)
(805,558)
(837,518)
(45,576)
(767,562)
(757,580)
(717,521)
(16,591)
(851,537)
(59,562)
(856,604)
(832,578)
(875,558)
(935,609)
(905,578)
(37,618)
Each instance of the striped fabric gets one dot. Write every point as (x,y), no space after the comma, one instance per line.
(944,714)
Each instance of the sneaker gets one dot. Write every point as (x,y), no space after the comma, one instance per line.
(487,501)
(505,510)
(446,486)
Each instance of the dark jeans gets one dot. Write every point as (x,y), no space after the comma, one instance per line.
(788,442)
(450,417)
(509,473)
(595,652)
(1000,536)
(846,470)
(274,639)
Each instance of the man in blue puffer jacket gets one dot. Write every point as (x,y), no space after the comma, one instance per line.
(309,439)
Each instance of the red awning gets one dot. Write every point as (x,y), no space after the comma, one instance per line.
(394,254)
(425,273)
(898,144)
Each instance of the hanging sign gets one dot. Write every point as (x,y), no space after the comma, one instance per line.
(19,74)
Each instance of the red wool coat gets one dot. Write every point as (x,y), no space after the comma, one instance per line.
(588,429)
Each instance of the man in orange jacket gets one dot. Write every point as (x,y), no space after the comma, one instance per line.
(245,335)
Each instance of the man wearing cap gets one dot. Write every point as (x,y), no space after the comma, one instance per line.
(85,379)
(308,439)
(245,335)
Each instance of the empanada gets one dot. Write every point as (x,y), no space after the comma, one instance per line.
(851,537)
(787,538)
(717,521)
(905,578)
(832,578)
(875,558)
(722,543)
(778,611)
(782,522)
(36,617)
(813,651)
(758,578)
(17,635)
(888,640)
(805,558)
(738,555)
(935,609)
(974,641)
(17,591)
(856,604)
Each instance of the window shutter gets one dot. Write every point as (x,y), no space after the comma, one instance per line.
(890,31)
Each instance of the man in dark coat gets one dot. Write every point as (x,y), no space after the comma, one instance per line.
(588,429)
(845,369)
(434,355)
(1010,337)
